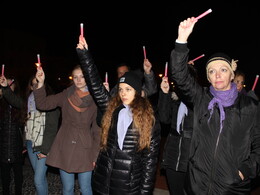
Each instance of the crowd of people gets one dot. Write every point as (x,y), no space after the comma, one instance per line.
(110,139)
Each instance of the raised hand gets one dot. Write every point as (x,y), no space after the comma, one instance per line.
(82,43)
(185,29)
(165,86)
(40,76)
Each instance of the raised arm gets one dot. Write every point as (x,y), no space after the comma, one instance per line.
(178,69)
(92,76)
(150,84)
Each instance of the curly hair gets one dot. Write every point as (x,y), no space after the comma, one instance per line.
(143,119)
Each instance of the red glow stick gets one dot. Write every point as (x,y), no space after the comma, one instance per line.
(204,14)
(39,61)
(106,77)
(166,69)
(144,52)
(256,79)
(81,30)
(3,70)
(198,57)
(11,82)
(38,58)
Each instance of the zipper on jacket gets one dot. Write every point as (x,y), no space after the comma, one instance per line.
(213,165)
(179,146)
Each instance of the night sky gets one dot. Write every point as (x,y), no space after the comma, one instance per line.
(117,32)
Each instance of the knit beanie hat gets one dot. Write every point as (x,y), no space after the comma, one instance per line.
(132,79)
(225,59)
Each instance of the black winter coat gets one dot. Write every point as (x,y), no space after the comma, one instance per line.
(11,127)
(216,157)
(177,146)
(127,171)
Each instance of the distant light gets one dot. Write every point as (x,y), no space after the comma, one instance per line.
(244,85)
(160,75)
(59,78)
(70,77)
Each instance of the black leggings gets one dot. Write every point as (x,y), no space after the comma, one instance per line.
(6,169)
(175,181)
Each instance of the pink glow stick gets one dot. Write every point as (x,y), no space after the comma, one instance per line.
(166,69)
(3,70)
(11,82)
(38,58)
(106,77)
(81,30)
(198,57)
(204,14)
(256,79)
(144,52)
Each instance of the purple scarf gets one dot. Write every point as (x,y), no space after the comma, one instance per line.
(222,99)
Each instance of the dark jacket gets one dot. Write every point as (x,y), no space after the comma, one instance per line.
(177,146)
(126,171)
(216,157)
(11,127)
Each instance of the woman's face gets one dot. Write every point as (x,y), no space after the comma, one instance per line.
(220,76)
(78,79)
(239,81)
(126,93)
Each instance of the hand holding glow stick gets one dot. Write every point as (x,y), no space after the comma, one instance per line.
(106,77)
(204,14)
(198,57)
(3,70)
(144,52)
(166,69)
(81,30)
(256,79)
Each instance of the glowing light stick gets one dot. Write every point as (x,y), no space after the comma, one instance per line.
(81,30)
(106,77)
(256,79)
(166,69)
(144,52)
(11,82)
(3,70)
(198,57)
(204,14)
(38,58)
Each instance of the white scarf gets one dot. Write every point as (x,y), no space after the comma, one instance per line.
(182,111)
(125,118)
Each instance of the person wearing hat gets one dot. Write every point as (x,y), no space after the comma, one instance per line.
(225,147)
(130,139)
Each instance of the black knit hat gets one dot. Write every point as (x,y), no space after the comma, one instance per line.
(133,80)
(231,64)
(220,56)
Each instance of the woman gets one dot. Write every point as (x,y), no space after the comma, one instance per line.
(11,135)
(131,134)
(177,146)
(76,145)
(225,147)
(40,131)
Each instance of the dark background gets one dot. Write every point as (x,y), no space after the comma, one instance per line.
(117,32)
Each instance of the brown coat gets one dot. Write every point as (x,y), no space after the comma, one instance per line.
(76,145)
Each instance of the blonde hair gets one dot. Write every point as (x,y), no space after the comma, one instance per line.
(143,119)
